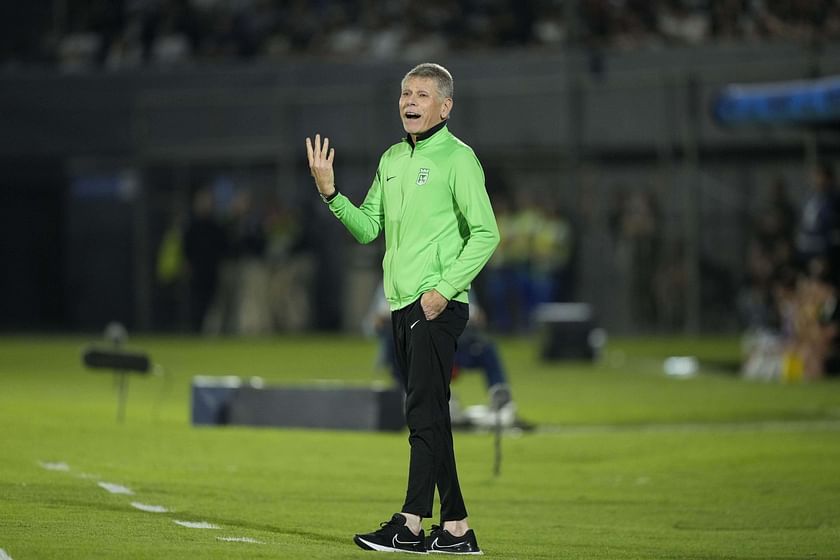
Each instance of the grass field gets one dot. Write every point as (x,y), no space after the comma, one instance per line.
(628,462)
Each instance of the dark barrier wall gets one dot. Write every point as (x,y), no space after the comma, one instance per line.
(574,122)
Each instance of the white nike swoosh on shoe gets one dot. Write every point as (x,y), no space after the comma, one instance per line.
(396,540)
(414,323)
(436,545)
(385,548)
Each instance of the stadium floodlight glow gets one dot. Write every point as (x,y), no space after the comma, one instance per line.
(799,102)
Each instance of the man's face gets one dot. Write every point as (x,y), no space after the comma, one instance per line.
(421,106)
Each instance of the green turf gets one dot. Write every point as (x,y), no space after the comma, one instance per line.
(631,464)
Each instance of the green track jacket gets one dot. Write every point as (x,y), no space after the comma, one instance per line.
(439,226)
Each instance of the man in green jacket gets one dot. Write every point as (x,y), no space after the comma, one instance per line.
(429,197)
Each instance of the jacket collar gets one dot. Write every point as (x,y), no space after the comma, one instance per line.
(426,135)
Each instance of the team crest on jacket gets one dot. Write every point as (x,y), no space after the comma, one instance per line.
(423,176)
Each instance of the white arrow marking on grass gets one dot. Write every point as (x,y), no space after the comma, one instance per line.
(147,507)
(58,466)
(116,488)
(240,539)
(4,556)
(196,524)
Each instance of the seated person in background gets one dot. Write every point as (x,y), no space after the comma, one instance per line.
(475,351)
(816,336)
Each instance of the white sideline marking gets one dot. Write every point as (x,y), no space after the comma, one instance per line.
(115,488)
(196,524)
(240,539)
(58,466)
(4,555)
(149,508)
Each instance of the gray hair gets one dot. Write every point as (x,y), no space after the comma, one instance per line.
(441,76)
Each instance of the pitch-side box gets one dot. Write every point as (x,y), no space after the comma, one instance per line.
(232,400)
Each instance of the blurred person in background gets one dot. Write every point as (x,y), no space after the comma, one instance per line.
(818,236)
(429,196)
(499,272)
(248,243)
(813,350)
(552,246)
(782,209)
(635,222)
(519,249)
(769,253)
(170,273)
(205,244)
(791,297)
(291,268)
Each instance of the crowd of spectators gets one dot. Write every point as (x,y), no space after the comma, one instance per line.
(790,301)
(132,33)
(239,263)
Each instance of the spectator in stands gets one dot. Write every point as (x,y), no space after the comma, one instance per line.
(550,25)
(802,21)
(170,32)
(180,30)
(683,24)
(730,20)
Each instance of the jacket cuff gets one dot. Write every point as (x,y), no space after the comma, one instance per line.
(335,204)
(329,199)
(446,289)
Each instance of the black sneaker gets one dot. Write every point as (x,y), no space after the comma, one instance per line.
(392,536)
(441,541)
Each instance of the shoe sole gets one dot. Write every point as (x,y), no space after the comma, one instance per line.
(362,543)
(479,553)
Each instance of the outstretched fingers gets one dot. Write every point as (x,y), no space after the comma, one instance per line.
(318,152)
(320,156)
(309,155)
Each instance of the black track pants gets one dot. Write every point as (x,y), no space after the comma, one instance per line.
(425,351)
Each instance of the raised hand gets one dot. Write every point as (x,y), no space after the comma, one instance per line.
(321,164)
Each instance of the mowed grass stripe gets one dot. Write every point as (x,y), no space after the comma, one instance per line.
(764,426)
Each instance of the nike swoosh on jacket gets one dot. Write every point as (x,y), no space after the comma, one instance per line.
(438,221)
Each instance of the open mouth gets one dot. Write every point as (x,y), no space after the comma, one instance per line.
(412,115)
